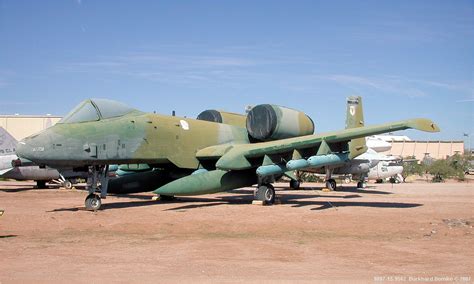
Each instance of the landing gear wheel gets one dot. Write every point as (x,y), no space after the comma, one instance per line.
(360,184)
(331,184)
(266,193)
(93,202)
(40,184)
(67,184)
(294,184)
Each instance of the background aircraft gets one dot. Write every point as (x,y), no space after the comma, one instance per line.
(368,166)
(12,167)
(193,157)
(378,144)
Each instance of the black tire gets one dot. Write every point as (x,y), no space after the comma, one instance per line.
(93,202)
(67,184)
(331,184)
(360,184)
(295,184)
(40,184)
(266,193)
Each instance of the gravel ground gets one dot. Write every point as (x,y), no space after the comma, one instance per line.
(384,233)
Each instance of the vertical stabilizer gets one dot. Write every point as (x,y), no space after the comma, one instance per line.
(354,119)
(355,113)
(7,143)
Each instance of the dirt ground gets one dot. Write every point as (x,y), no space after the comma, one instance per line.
(384,233)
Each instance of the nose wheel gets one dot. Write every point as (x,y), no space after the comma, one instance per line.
(93,202)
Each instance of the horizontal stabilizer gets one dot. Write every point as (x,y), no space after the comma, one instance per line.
(4,171)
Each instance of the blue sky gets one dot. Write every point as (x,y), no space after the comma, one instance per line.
(406,58)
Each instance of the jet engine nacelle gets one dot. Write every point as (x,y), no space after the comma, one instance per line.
(271,122)
(223,117)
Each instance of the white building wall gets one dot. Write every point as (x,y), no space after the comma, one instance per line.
(435,149)
(21,126)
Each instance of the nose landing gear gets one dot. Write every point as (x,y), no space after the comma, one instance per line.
(97,181)
(93,202)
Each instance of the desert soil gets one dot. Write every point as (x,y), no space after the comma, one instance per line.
(383,233)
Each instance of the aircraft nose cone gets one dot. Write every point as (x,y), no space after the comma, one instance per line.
(32,147)
(23,150)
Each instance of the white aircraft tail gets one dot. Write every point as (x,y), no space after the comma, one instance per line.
(7,143)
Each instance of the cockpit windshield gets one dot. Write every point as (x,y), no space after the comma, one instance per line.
(95,109)
(109,108)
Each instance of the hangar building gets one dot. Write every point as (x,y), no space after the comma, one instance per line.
(21,126)
(420,149)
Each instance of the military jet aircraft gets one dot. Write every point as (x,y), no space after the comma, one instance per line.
(193,157)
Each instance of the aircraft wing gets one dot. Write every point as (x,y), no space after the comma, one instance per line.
(4,171)
(247,156)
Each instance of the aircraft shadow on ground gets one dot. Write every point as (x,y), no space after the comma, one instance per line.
(199,202)
(146,201)
(18,189)
(295,201)
(8,236)
(367,190)
(328,205)
(242,197)
(32,187)
(108,206)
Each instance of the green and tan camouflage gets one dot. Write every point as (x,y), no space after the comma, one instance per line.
(101,132)
(224,117)
(271,122)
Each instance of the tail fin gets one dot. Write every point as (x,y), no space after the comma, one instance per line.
(354,119)
(7,143)
(355,113)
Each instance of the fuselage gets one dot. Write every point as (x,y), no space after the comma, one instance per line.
(385,170)
(132,138)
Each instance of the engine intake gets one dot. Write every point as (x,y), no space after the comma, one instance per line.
(222,117)
(271,122)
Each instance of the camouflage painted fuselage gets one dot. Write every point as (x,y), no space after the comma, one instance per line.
(136,137)
(100,132)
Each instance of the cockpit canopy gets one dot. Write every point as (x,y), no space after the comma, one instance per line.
(96,109)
